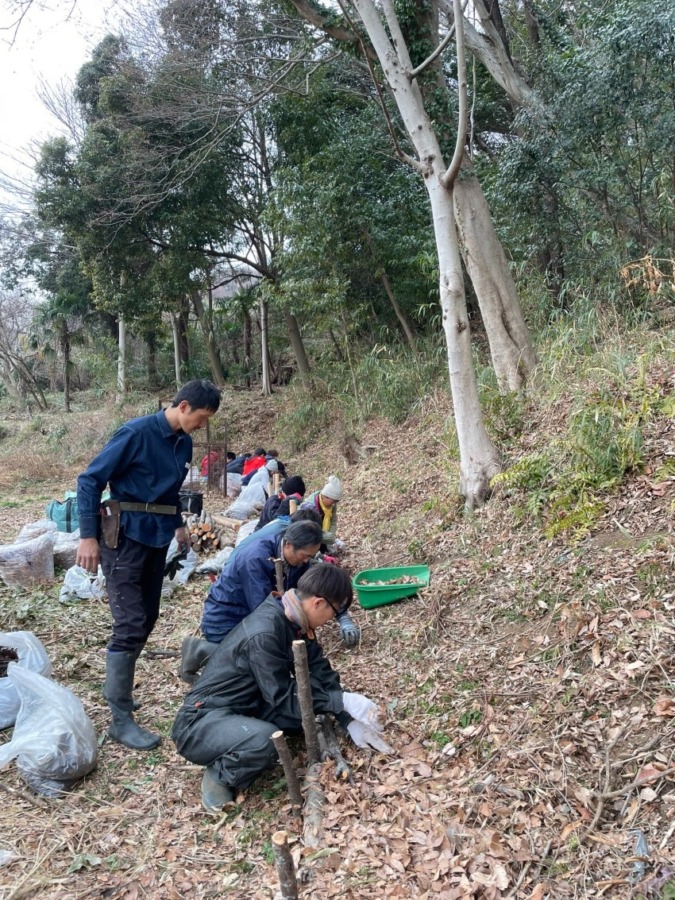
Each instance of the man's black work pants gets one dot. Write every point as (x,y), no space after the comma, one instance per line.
(238,748)
(134,574)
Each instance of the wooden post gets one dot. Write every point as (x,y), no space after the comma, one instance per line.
(292,505)
(276,482)
(288,883)
(286,760)
(305,700)
(312,831)
(279,574)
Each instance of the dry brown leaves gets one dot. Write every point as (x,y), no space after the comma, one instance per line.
(528,693)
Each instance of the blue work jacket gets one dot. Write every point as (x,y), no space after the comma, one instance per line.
(247,579)
(145,461)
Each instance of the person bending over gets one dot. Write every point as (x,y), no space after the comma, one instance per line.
(248,689)
(247,579)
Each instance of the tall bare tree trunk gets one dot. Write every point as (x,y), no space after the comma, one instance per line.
(511,350)
(479,458)
(400,315)
(295,338)
(121,360)
(65,349)
(176,348)
(206,326)
(266,380)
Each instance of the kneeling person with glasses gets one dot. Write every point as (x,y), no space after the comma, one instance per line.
(248,689)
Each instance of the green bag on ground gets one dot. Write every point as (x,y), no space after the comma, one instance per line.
(64,512)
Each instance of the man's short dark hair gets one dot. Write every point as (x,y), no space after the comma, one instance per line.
(200,394)
(307,515)
(330,582)
(259,451)
(301,535)
(231,456)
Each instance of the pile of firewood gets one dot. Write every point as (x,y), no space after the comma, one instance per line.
(205,535)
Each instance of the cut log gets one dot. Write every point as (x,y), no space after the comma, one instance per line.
(312,832)
(305,700)
(234,524)
(288,883)
(286,761)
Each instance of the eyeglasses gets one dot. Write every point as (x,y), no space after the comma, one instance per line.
(337,610)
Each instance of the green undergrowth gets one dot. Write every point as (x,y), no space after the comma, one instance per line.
(386,382)
(593,415)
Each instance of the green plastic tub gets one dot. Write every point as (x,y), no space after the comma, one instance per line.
(371,595)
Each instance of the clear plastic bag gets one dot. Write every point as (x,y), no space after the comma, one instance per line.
(65,549)
(78,584)
(36,529)
(54,742)
(216,563)
(185,569)
(251,500)
(245,531)
(28,563)
(32,655)
(233,487)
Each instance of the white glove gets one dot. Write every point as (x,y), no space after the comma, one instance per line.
(366,736)
(360,708)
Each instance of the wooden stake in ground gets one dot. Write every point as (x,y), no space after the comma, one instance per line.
(288,883)
(286,760)
(312,832)
(292,506)
(279,575)
(305,700)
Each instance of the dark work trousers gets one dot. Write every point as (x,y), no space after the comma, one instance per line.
(238,748)
(134,574)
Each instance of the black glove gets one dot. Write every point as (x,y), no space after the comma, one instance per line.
(173,565)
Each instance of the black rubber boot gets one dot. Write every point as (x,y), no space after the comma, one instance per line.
(214,794)
(194,653)
(119,682)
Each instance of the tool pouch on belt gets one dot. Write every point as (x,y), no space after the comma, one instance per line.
(110,523)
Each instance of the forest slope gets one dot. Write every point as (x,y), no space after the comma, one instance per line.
(526,691)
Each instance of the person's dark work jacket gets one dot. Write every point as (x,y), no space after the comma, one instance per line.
(275,508)
(246,580)
(236,467)
(250,674)
(144,461)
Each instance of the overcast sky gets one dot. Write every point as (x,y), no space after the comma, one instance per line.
(51,43)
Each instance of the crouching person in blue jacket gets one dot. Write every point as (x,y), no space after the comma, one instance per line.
(248,691)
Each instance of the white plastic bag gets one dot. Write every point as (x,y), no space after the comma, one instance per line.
(251,500)
(246,529)
(54,742)
(35,529)
(28,563)
(82,585)
(32,655)
(216,563)
(233,485)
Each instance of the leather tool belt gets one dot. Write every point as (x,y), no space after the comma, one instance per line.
(110,517)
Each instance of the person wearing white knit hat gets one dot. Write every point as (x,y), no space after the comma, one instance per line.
(325,502)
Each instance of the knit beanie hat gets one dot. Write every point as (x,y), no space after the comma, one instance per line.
(272,465)
(332,488)
(294,485)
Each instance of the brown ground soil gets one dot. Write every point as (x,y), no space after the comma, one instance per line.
(527,692)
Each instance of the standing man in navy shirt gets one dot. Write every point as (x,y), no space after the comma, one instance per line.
(144,463)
